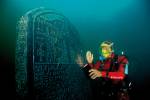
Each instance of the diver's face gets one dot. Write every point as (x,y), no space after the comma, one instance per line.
(106,51)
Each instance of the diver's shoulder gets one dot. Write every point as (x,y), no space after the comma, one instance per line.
(122,58)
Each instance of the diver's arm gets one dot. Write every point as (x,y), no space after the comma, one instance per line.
(115,75)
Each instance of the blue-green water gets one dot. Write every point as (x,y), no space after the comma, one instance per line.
(125,22)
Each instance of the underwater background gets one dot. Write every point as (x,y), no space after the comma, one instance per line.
(125,22)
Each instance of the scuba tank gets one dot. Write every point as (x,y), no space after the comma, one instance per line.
(126,65)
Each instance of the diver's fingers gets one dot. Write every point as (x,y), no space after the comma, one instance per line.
(92,70)
(92,57)
(94,76)
(92,73)
(88,53)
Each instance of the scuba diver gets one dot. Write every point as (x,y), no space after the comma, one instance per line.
(108,75)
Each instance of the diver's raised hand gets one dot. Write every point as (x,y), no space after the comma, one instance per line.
(89,57)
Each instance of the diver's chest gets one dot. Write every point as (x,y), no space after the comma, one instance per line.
(107,65)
